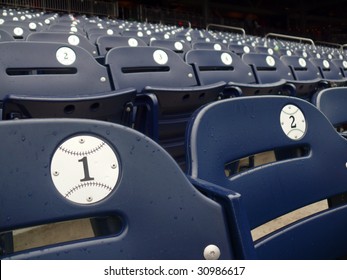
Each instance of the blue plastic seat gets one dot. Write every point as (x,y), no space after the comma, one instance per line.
(107,42)
(156,213)
(181,48)
(307,77)
(332,102)
(58,80)
(270,69)
(329,72)
(66,38)
(5,36)
(209,46)
(264,123)
(214,66)
(168,92)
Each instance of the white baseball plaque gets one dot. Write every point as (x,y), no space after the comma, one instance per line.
(85,169)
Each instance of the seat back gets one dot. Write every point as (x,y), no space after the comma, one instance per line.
(62,170)
(329,71)
(209,46)
(341,64)
(107,42)
(269,68)
(240,49)
(54,69)
(5,36)
(307,77)
(57,80)
(303,69)
(148,66)
(168,92)
(181,48)
(214,66)
(332,102)
(66,38)
(259,124)
(16,30)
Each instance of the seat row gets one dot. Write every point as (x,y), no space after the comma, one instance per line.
(56,170)
(149,88)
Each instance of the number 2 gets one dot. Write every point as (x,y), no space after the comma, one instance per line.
(293,124)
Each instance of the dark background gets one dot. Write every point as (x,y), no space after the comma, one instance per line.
(319,20)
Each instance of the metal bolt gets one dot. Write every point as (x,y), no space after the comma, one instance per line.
(114,166)
(56,173)
(211,252)
(81,141)
(190,75)
(102,79)
(89,199)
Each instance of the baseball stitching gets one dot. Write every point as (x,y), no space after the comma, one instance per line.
(87,184)
(83,153)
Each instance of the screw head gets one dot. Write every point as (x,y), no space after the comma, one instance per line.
(211,252)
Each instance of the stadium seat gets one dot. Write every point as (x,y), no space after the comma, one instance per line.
(181,48)
(268,191)
(65,78)
(168,92)
(5,36)
(64,37)
(209,46)
(113,172)
(306,75)
(240,49)
(332,102)
(270,69)
(214,66)
(329,72)
(341,64)
(18,32)
(107,42)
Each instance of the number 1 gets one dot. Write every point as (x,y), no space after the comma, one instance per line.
(87,177)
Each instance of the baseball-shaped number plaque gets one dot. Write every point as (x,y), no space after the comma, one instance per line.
(293,122)
(85,169)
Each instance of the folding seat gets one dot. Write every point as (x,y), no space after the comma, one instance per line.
(141,34)
(209,46)
(341,63)
(94,33)
(66,38)
(213,66)
(240,49)
(55,170)
(167,89)
(107,42)
(269,68)
(263,123)
(265,50)
(58,80)
(70,28)
(5,36)
(329,72)
(18,32)
(308,79)
(332,102)
(181,48)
